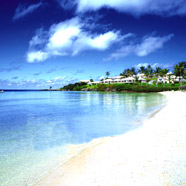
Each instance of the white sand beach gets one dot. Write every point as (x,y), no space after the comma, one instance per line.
(152,155)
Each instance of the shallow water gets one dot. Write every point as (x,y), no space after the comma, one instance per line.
(36,128)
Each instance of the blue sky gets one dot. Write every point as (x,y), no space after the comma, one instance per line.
(52,43)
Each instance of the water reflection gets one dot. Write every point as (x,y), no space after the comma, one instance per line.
(37,126)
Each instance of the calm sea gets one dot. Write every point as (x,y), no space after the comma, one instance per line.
(37,127)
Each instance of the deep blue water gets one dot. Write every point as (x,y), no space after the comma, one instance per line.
(37,126)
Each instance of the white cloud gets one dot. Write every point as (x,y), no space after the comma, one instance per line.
(36,56)
(154,65)
(148,45)
(140,65)
(69,38)
(22,10)
(136,7)
(122,52)
(151,44)
(59,78)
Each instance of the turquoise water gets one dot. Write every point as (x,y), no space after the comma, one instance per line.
(37,127)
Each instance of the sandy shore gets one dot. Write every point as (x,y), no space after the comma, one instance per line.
(153,155)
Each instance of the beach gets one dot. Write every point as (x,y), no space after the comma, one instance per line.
(152,155)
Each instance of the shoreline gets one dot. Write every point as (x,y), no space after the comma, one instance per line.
(149,155)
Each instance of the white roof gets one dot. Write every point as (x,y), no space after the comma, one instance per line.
(85,81)
(130,78)
(108,80)
(140,78)
(96,82)
(139,75)
(117,79)
(169,73)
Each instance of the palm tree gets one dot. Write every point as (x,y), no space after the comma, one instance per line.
(150,70)
(142,69)
(107,74)
(129,73)
(157,71)
(163,72)
(126,73)
(179,70)
(133,71)
(184,73)
(50,87)
(184,64)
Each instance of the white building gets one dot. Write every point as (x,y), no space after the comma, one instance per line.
(117,80)
(84,81)
(129,80)
(108,81)
(94,83)
(141,76)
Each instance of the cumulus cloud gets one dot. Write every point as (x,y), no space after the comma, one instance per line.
(154,65)
(136,7)
(148,45)
(22,10)
(70,37)
(140,65)
(36,56)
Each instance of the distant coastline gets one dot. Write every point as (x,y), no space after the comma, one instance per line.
(121,87)
(13,90)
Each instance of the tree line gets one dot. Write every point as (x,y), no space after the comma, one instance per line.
(149,71)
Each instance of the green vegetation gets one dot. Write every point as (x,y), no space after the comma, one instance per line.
(151,75)
(74,87)
(135,87)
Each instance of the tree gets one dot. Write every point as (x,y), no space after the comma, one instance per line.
(136,79)
(150,70)
(184,64)
(133,71)
(50,87)
(184,73)
(91,80)
(163,72)
(107,74)
(157,71)
(179,70)
(142,70)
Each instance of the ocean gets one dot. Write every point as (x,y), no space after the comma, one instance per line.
(38,127)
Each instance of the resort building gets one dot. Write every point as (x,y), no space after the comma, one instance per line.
(169,78)
(142,80)
(108,81)
(84,81)
(94,82)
